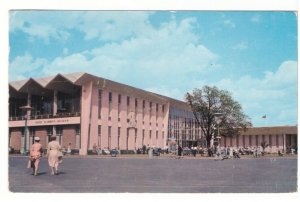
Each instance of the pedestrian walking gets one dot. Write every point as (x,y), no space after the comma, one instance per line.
(179,151)
(194,151)
(69,149)
(54,154)
(35,154)
(230,152)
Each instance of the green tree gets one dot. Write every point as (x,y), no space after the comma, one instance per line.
(264,145)
(208,102)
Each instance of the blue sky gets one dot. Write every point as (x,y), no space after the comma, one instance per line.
(251,54)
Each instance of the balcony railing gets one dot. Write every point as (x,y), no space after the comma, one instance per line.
(45,116)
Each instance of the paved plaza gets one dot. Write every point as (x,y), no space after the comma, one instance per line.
(94,174)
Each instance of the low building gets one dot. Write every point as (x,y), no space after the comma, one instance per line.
(283,138)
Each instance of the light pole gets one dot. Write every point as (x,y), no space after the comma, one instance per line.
(218,120)
(26,109)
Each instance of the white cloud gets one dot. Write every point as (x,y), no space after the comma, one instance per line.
(166,91)
(229,23)
(172,50)
(94,24)
(41,25)
(240,46)
(113,25)
(275,94)
(25,66)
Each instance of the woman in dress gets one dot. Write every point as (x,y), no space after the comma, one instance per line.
(35,155)
(53,153)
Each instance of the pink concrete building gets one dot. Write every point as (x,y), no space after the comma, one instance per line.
(85,110)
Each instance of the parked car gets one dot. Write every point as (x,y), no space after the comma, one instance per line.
(186,151)
(114,152)
(156,151)
(11,150)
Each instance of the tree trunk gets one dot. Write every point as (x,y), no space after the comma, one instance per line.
(208,139)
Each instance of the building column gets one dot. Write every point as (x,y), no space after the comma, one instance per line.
(85,128)
(55,102)
(28,113)
(284,142)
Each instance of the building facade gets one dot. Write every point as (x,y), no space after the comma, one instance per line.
(84,110)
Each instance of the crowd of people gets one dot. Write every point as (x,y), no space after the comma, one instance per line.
(55,153)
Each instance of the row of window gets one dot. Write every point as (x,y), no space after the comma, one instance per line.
(127,136)
(110,97)
(250,140)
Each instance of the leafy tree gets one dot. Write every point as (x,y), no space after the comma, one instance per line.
(264,145)
(208,102)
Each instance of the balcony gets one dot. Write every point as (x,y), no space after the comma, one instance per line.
(46,116)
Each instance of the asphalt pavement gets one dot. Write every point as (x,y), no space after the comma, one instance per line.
(96,174)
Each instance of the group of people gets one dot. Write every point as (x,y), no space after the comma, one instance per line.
(54,155)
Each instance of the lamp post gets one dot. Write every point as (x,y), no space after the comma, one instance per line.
(26,109)
(218,120)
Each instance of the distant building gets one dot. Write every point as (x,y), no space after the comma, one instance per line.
(283,138)
(86,110)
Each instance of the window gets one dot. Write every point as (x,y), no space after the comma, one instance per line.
(109,104)
(99,130)
(127,137)
(144,103)
(32,132)
(277,140)
(119,105)
(110,96)
(109,137)
(99,135)
(143,137)
(156,114)
(135,137)
(119,99)
(59,133)
(77,130)
(59,130)
(119,135)
(128,100)
(135,105)
(270,140)
(128,105)
(163,108)
(99,103)
(49,131)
